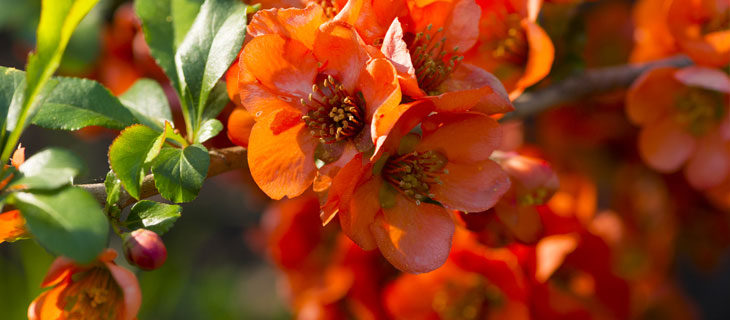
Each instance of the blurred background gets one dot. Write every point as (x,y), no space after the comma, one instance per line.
(217,266)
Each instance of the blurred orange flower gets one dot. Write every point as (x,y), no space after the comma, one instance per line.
(685,120)
(101,290)
(511,45)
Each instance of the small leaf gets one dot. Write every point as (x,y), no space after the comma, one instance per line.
(179,173)
(77,103)
(155,216)
(148,102)
(131,150)
(68,223)
(209,129)
(208,50)
(159,33)
(183,16)
(49,169)
(113,188)
(10,80)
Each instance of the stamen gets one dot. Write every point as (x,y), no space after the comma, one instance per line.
(413,173)
(334,114)
(509,41)
(330,10)
(428,55)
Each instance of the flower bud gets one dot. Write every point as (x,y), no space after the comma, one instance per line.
(144,249)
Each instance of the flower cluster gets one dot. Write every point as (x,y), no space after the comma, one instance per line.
(362,103)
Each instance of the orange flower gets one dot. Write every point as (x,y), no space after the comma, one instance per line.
(12,226)
(101,290)
(699,28)
(326,275)
(313,91)
(397,202)
(684,118)
(702,29)
(426,42)
(475,283)
(511,45)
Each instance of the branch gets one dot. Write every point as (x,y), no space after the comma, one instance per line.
(591,82)
(221,161)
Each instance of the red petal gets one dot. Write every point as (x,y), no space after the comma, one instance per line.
(360,215)
(472,88)
(414,238)
(665,146)
(292,23)
(281,164)
(471,187)
(478,135)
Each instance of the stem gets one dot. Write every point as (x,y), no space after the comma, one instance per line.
(221,161)
(590,82)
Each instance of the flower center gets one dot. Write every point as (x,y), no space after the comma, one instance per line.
(509,42)
(334,114)
(428,55)
(330,10)
(95,296)
(414,172)
(467,296)
(699,109)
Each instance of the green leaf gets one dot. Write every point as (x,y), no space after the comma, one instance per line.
(148,103)
(113,188)
(165,23)
(58,20)
(209,129)
(179,173)
(217,100)
(208,50)
(131,150)
(49,169)
(183,16)
(11,84)
(68,223)
(15,113)
(155,216)
(77,103)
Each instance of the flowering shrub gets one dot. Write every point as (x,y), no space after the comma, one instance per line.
(410,164)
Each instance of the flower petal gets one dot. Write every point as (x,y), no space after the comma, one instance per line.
(60,269)
(292,23)
(665,146)
(360,215)
(45,306)
(647,99)
(703,77)
(414,238)
(391,123)
(540,56)
(379,86)
(341,188)
(396,50)
(472,88)
(281,164)
(279,64)
(708,165)
(130,288)
(471,187)
(240,123)
(342,52)
(12,226)
(478,135)
(462,26)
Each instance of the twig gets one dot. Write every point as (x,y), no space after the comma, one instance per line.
(221,160)
(591,82)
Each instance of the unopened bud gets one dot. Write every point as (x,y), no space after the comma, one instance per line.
(144,249)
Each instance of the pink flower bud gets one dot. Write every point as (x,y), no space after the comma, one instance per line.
(144,249)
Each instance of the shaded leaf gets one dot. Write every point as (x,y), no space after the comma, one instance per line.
(68,223)
(155,216)
(49,169)
(148,103)
(131,150)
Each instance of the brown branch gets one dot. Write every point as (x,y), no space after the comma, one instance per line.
(591,82)
(221,160)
